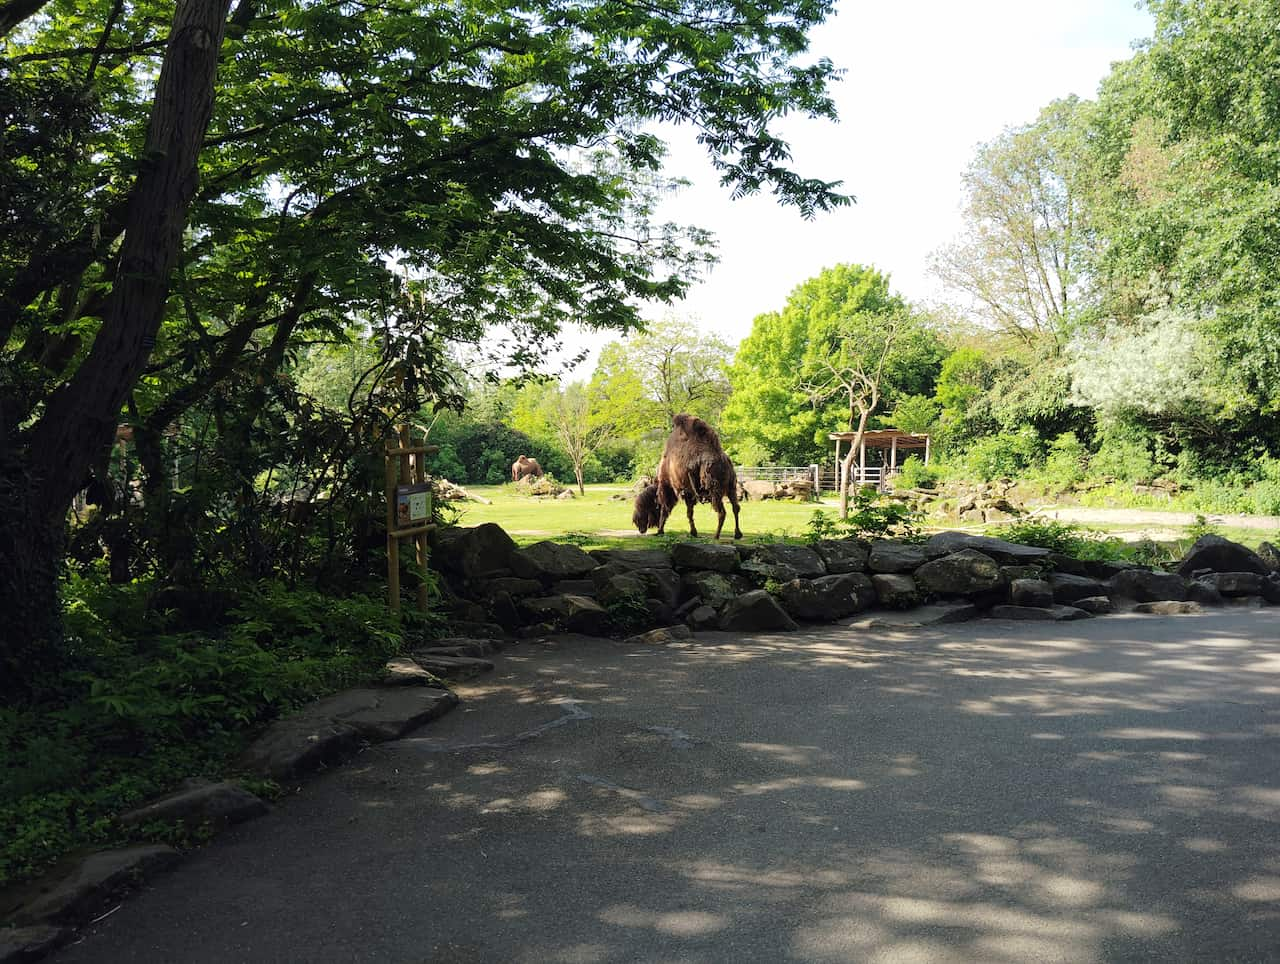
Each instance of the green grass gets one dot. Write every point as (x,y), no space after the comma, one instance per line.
(597,520)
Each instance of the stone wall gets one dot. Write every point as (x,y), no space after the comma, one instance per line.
(551,586)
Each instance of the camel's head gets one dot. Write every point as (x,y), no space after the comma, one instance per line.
(648,514)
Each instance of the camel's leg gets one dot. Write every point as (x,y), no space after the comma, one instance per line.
(719,504)
(664,507)
(690,500)
(733,501)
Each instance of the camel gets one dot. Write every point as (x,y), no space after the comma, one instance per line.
(525,467)
(695,468)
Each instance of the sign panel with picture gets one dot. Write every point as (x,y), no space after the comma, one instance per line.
(413,504)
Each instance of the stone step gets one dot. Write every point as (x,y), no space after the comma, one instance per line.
(451,666)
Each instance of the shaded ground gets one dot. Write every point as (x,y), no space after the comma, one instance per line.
(1096,791)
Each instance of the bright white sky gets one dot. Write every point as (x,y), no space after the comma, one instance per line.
(926,81)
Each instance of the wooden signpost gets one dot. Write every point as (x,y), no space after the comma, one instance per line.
(408,509)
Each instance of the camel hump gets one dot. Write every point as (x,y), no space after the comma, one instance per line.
(696,429)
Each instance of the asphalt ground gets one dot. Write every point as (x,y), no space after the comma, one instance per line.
(1102,790)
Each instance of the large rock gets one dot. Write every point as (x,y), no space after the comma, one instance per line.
(960,574)
(714,588)
(216,804)
(451,666)
(1235,583)
(575,614)
(660,584)
(704,555)
(1271,588)
(702,618)
(1067,588)
(551,561)
(1061,562)
(1095,605)
(1220,555)
(758,490)
(1145,586)
(1104,569)
(624,585)
(935,614)
(1169,607)
(333,728)
(633,558)
(782,563)
(755,611)
(827,598)
(661,637)
(843,555)
(514,586)
(471,553)
(998,549)
(1204,593)
(92,885)
(1051,613)
(892,557)
(896,591)
(1036,593)
(1270,555)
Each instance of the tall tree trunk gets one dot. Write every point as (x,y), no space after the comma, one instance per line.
(52,457)
(846,466)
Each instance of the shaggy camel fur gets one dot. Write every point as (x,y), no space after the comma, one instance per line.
(525,466)
(648,512)
(695,468)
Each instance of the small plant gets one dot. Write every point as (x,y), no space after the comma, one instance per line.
(1202,527)
(1064,537)
(871,517)
(772,586)
(628,614)
(914,474)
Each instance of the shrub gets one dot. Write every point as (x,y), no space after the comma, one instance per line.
(1067,460)
(914,474)
(1067,538)
(871,516)
(1125,454)
(1003,456)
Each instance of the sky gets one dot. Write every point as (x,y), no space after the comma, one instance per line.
(925,83)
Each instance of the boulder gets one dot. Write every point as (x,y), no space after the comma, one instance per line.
(471,553)
(1036,593)
(661,637)
(896,591)
(1270,555)
(758,490)
(1146,586)
(1234,583)
(566,496)
(755,611)
(92,885)
(451,667)
(827,598)
(843,555)
(660,584)
(660,613)
(1271,588)
(514,586)
(1104,569)
(216,804)
(1219,555)
(549,561)
(893,557)
(1052,613)
(1067,588)
(575,614)
(932,615)
(1169,607)
(1095,605)
(702,618)
(633,558)
(714,588)
(998,549)
(1060,562)
(704,555)
(402,671)
(782,563)
(959,574)
(1204,593)
(625,585)
(1011,573)
(574,587)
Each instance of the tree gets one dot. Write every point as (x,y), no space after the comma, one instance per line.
(768,410)
(1018,262)
(852,364)
(642,382)
(500,155)
(567,414)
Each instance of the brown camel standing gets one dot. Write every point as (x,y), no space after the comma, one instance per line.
(525,467)
(695,468)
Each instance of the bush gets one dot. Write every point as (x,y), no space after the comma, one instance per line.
(870,517)
(1071,540)
(1004,456)
(1126,455)
(1067,460)
(914,474)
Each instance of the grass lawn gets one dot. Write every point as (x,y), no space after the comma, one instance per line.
(608,522)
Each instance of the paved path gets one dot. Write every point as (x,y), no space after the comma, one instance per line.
(1155,517)
(1097,791)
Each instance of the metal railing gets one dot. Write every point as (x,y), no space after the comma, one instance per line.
(823,477)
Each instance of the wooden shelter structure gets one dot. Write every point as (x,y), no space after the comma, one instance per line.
(887,440)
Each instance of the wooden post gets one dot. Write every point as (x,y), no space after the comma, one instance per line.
(837,463)
(393,543)
(926,450)
(893,455)
(420,477)
(862,463)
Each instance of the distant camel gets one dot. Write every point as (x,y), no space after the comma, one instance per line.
(695,468)
(525,467)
